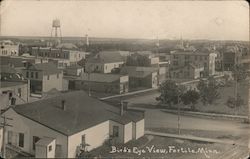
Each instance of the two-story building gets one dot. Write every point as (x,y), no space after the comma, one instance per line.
(100,82)
(43,77)
(65,125)
(62,57)
(146,77)
(8,48)
(13,88)
(104,62)
(190,71)
(180,59)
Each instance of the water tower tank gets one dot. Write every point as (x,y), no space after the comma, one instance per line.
(56,23)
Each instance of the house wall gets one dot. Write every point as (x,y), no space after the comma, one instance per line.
(9,50)
(20,98)
(65,84)
(94,67)
(53,82)
(75,56)
(120,138)
(128,132)
(208,61)
(42,151)
(94,136)
(154,60)
(31,128)
(139,129)
(109,66)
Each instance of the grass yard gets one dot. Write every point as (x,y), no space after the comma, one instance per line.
(220,105)
(199,133)
(163,147)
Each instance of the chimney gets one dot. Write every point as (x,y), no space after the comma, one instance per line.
(63,105)
(121,109)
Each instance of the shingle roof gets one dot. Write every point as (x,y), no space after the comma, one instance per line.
(47,68)
(82,112)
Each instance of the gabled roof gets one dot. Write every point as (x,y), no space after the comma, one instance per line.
(107,57)
(81,113)
(47,68)
(66,46)
(140,72)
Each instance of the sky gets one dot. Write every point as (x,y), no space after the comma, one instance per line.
(214,20)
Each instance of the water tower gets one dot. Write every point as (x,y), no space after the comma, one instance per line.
(56,34)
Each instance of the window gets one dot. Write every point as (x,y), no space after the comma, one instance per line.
(175,57)
(201,58)
(36,74)
(195,57)
(186,57)
(32,74)
(19,92)
(83,139)
(35,139)
(57,75)
(21,140)
(27,74)
(48,77)
(50,148)
(10,134)
(175,63)
(115,131)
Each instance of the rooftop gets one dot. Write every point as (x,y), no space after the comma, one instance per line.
(107,57)
(5,84)
(82,112)
(47,68)
(140,72)
(101,77)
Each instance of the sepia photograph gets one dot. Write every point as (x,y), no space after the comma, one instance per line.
(133,79)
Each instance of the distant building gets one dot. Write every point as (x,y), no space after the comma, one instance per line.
(8,48)
(43,77)
(61,57)
(13,88)
(100,82)
(143,58)
(231,56)
(13,92)
(180,59)
(104,62)
(62,126)
(74,70)
(146,77)
(189,71)
(19,62)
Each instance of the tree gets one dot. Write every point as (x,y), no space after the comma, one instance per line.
(208,90)
(170,92)
(190,97)
(137,60)
(235,102)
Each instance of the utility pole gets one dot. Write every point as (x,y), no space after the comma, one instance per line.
(179,115)
(4,124)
